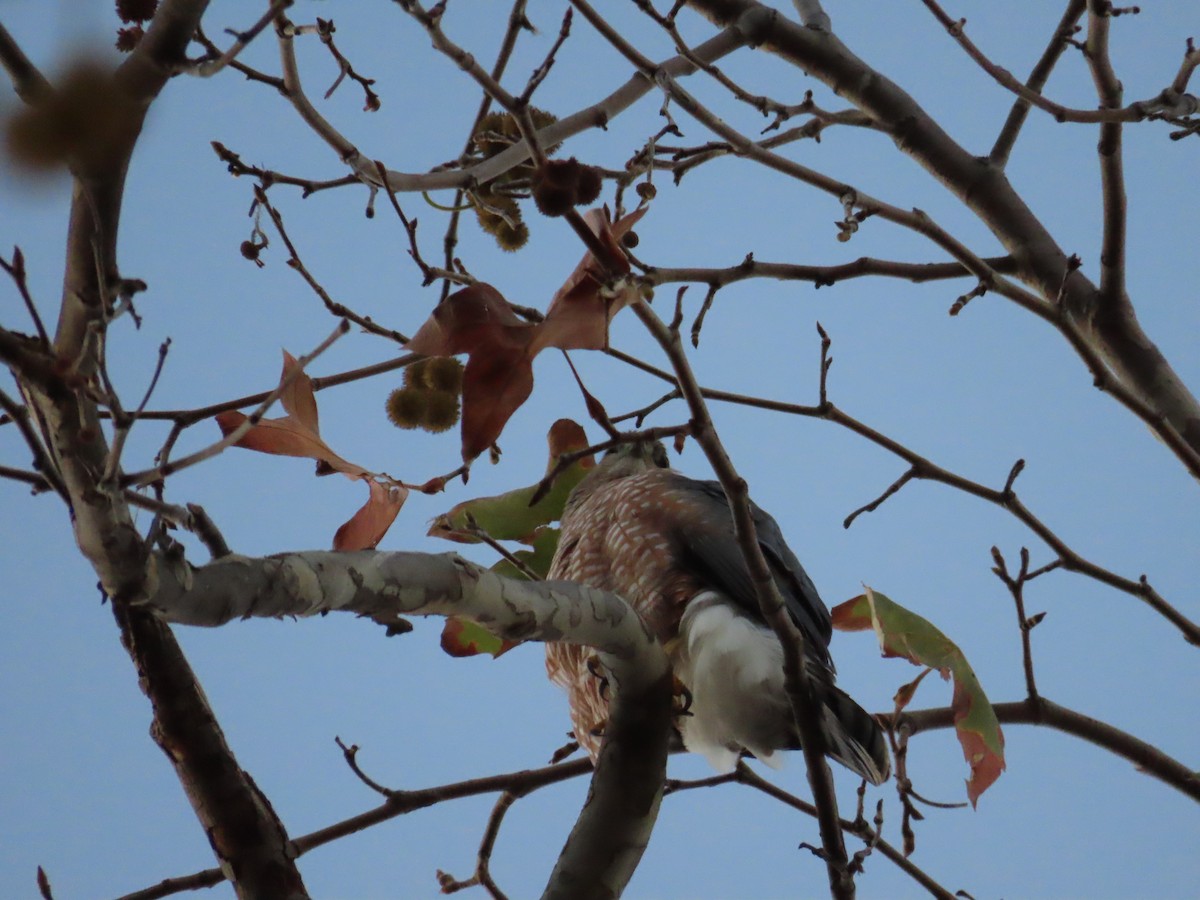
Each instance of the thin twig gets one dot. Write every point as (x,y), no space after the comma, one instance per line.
(16,271)
(206,68)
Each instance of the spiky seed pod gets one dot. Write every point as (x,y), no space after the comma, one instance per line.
(508,229)
(630,239)
(136,10)
(407,407)
(492,134)
(555,186)
(414,374)
(511,237)
(541,118)
(646,190)
(129,38)
(589,185)
(443,373)
(87,119)
(441,411)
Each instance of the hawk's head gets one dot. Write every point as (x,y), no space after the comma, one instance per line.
(622,462)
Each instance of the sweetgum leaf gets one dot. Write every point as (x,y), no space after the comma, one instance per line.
(297,434)
(903,633)
(500,345)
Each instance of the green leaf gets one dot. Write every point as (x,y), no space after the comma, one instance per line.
(508,516)
(465,637)
(904,634)
(544,542)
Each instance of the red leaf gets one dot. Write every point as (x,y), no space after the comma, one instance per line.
(500,346)
(366,528)
(578,316)
(475,318)
(498,377)
(494,387)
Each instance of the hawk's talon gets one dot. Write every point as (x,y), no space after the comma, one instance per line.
(593,667)
(681,699)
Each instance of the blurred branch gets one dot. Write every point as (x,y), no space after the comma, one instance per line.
(29,83)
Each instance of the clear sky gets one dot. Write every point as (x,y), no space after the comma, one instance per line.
(85,793)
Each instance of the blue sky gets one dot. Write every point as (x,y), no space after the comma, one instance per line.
(86,794)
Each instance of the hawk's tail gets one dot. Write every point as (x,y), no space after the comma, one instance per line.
(853,736)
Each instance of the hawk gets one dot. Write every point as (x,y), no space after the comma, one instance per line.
(665,542)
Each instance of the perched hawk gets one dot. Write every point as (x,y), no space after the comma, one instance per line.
(665,542)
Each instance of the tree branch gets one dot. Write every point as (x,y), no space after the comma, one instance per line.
(800,693)
(1116,340)
(614,825)
(1040,711)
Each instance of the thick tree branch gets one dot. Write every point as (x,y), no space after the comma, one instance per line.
(615,823)
(1121,348)
(243,830)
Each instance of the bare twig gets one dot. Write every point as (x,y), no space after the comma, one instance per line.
(335,308)
(42,463)
(16,271)
(1007,137)
(1135,112)
(1026,624)
(1043,712)
(208,67)
(325,29)
(482,875)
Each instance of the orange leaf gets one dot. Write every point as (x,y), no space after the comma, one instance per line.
(366,528)
(297,398)
(296,433)
(287,437)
